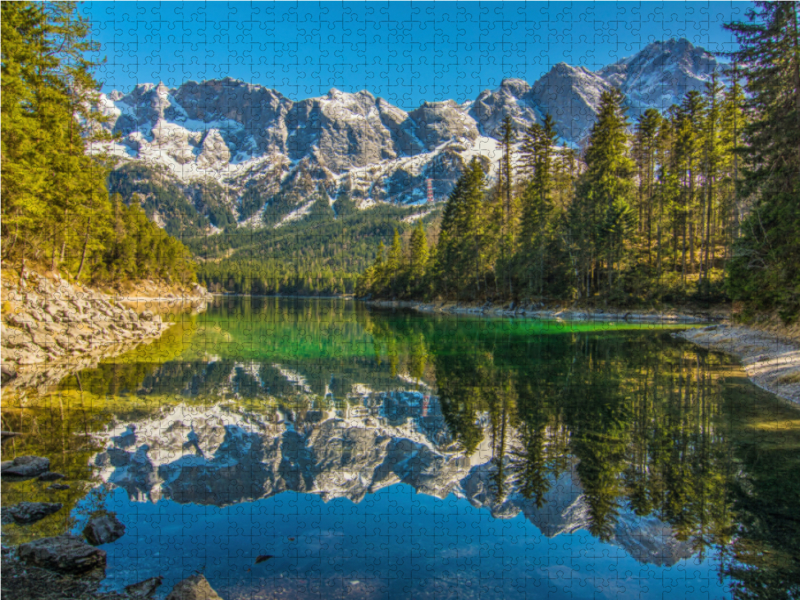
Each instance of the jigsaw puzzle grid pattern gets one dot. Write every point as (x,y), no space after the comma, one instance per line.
(401,51)
(386,545)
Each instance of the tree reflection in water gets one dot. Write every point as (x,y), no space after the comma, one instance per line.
(610,424)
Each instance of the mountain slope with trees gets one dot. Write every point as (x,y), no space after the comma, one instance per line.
(698,204)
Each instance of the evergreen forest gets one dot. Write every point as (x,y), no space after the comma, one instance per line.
(57,213)
(697,204)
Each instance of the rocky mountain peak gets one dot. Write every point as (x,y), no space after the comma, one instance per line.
(387,153)
(515,87)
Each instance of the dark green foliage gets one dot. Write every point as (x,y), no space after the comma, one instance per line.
(317,254)
(649,213)
(765,270)
(161,198)
(56,211)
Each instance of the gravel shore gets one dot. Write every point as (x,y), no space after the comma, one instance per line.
(772,363)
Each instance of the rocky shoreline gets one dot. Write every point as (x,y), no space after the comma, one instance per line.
(69,566)
(770,361)
(52,328)
(539,311)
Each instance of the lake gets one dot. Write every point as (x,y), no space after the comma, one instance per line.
(390,454)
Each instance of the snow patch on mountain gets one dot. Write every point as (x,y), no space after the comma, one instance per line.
(239,134)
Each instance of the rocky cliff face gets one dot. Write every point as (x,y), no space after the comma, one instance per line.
(222,455)
(240,134)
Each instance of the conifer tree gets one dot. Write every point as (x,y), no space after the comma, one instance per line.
(418,260)
(537,203)
(765,270)
(604,214)
(645,150)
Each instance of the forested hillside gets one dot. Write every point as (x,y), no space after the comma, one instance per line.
(56,209)
(322,253)
(699,203)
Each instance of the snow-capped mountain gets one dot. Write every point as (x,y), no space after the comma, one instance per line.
(222,455)
(248,139)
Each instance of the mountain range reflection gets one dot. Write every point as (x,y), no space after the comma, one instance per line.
(552,441)
(221,455)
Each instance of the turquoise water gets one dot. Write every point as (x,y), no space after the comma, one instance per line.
(380,454)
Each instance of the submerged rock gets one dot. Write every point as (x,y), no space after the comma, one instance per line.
(103,529)
(25,466)
(67,554)
(195,587)
(30,512)
(50,476)
(144,589)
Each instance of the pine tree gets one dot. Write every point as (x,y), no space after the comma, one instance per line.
(418,260)
(711,162)
(765,270)
(461,249)
(604,215)
(645,150)
(537,203)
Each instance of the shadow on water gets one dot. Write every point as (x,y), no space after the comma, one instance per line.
(378,454)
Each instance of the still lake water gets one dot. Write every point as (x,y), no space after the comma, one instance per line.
(380,454)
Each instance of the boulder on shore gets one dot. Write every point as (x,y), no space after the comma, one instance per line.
(103,529)
(25,466)
(30,512)
(195,587)
(66,554)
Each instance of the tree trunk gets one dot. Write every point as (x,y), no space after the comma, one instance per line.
(708,227)
(83,252)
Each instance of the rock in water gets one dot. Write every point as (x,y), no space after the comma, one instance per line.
(25,466)
(66,554)
(50,476)
(144,589)
(103,529)
(195,587)
(30,512)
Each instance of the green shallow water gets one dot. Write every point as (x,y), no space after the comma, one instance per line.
(382,454)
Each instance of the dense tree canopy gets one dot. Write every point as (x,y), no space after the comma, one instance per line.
(56,210)
(700,203)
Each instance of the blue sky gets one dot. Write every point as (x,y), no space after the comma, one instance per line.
(406,52)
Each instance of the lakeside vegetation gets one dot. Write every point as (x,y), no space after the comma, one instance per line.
(56,211)
(698,204)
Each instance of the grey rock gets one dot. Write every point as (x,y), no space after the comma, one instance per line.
(30,512)
(144,589)
(15,337)
(66,554)
(195,587)
(103,529)
(58,486)
(25,466)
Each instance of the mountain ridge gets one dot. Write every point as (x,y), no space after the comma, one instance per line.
(267,150)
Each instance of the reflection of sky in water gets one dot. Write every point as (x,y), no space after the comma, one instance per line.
(185,481)
(425,457)
(394,543)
